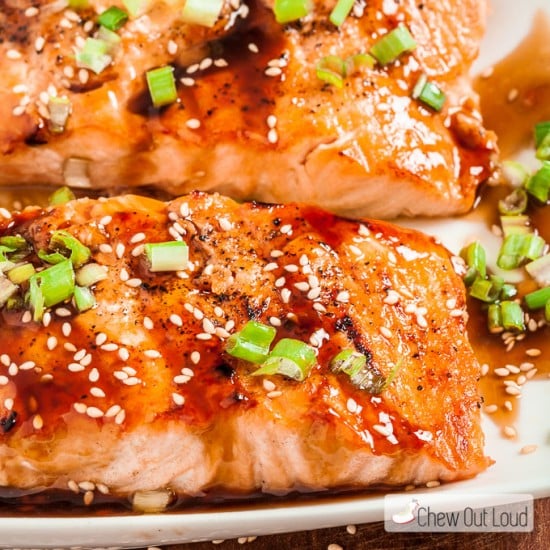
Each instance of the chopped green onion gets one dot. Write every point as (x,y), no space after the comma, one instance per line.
(508,291)
(354,62)
(331,69)
(547,311)
(515,224)
(59,109)
(51,257)
(543,150)
(162,86)
(168,256)
(348,361)
(202,12)
(429,93)
(486,290)
(83,298)
(252,342)
(542,140)
(79,254)
(494,318)
(538,185)
(515,173)
(6,265)
(110,37)
(475,258)
(90,274)
(61,196)
(112,18)
(51,286)
(94,55)
(291,10)
(15,242)
(512,316)
(517,248)
(21,273)
(135,7)
(7,290)
(539,270)
(513,204)
(289,357)
(393,44)
(537,298)
(340,11)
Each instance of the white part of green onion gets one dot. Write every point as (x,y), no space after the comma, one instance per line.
(167,256)
(202,12)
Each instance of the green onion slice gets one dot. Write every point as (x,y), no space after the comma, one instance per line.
(355,62)
(512,316)
(167,256)
(537,298)
(61,196)
(331,69)
(64,241)
(538,185)
(21,273)
(340,11)
(202,12)
(494,318)
(90,274)
(486,290)
(393,44)
(289,357)
(59,109)
(515,224)
(252,342)
(513,204)
(348,361)
(475,258)
(517,248)
(83,298)
(162,86)
(94,55)
(51,286)
(135,7)
(429,93)
(113,18)
(287,11)
(515,172)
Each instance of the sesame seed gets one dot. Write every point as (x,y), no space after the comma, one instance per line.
(75,367)
(112,411)
(508,405)
(276,253)
(3,380)
(106,220)
(134,283)
(280,282)
(285,295)
(530,374)
(509,431)
(13,370)
(273,71)
(73,486)
(334,546)
(342,296)
(432,484)
(131,381)
(230,325)
(253,47)
(203,336)
(13,54)
(93,376)
(39,43)
(148,323)
(193,124)
(206,63)
(268,385)
(172,47)
(109,347)
(94,412)
(27,365)
(502,371)
(119,250)
(152,354)
(286,229)
(314,293)
(27,317)
(120,417)
(533,352)
(272,136)
(271,266)
(80,408)
(97,392)
(137,238)
(528,449)
(351,405)
(178,399)
(274,394)
(319,307)
(63,312)
(275,321)
(512,95)
(198,314)
(225,224)
(5,359)
(105,248)
(66,329)
(195,357)
(302,286)
(484,369)
(383,430)
(32,11)
(175,319)
(88,498)
(351,529)
(103,489)
(291,268)
(187,81)
(220,62)
(490,409)
(124,354)
(513,390)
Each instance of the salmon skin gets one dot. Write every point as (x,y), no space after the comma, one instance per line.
(139,393)
(252,120)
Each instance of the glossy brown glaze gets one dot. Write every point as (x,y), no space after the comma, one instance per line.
(83,397)
(253,121)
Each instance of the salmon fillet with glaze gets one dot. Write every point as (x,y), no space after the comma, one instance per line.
(253,121)
(139,393)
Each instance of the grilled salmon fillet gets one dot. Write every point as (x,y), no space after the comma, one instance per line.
(252,119)
(140,393)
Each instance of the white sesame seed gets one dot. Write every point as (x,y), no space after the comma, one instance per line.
(75,367)
(508,405)
(206,63)
(276,253)
(509,431)
(187,81)
(124,354)
(193,124)
(273,71)
(272,136)
(501,371)
(73,486)
(131,381)
(433,484)
(27,365)
(275,321)
(37,422)
(97,392)
(178,399)
(203,336)
(181,379)
(8,403)
(148,323)
(13,369)
(351,529)
(342,296)
(106,220)
(109,347)
(3,380)
(513,390)
(26,317)
(93,376)
(13,54)
(291,268)
(220,62)
(32,11)
(280,282)
(533,352)
(5,359)
(286,229)
(63,312)
(274,394)
(175,319)
(47,319)
(39,43)
(198,314)
(385,331)
(195,357)
(105,248)
(172,47)
(351,405)
(317,306)
(285,295)
(528,449)
(134,283)
(152,354)
(120,417)
(112,411)
(80,408)
(490,409)
(253,47)
(302,286)
(314,293)
(271,266)
(119,250)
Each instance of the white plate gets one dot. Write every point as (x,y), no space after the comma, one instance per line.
(511,473)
